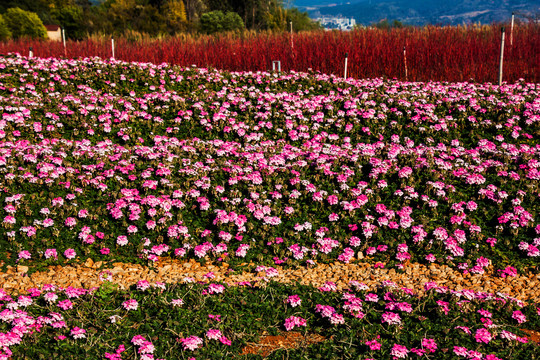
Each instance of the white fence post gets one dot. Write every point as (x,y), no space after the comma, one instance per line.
(346,60)
(292,43)
(405,63)
(112,46)
(64,41)
(502,57)
(512,30)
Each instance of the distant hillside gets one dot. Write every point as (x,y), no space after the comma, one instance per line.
(421,12)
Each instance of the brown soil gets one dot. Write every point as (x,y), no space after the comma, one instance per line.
(284,340)
(532,335)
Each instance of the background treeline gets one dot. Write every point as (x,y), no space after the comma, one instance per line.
(82,18)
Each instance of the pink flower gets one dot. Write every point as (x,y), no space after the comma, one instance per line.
(460,351)
(78,333)
(143,285)
(519,316)
(214,334)
(429,344)
(130,304)
(177,302)
(391,318)
(9,220)
(483,335)
(242,250)
(399,351)
(294,321)
(70,254)
(138,340)
(122,240)
(294,300)
(374,344)
(49,253)
(65,305)
(225,341)
(191,343)
(215,289)
(25,255)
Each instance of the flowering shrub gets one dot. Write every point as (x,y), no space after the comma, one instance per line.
(218,326)
(134,162)
(115,167)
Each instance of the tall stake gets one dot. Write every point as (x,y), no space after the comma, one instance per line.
(512,30)
(405,62)
(292,44)
(502,56)
(64,41)
(346,58)
(112,46)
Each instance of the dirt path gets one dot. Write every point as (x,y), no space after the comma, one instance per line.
(88,275)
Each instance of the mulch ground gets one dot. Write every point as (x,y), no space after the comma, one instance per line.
(92,274)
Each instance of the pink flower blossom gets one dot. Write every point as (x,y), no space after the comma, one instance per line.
(294,321)
(130,304)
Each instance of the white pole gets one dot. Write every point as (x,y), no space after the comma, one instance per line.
(112,46)
(502,56)
(64,41)
(512,30)
(292,44)
(346,59)
(405,61)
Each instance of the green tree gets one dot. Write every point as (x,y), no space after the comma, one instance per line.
(301,20)
(25,23)
(232,22)
(215,21)
(39,7)
(71,19)
(4,30)
(211,22)
(174,12)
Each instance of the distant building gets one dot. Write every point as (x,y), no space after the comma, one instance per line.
(336,22)
(54,32)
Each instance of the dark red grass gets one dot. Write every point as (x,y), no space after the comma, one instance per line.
(433,53)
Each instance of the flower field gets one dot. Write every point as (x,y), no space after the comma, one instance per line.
(432,53)
(139,163)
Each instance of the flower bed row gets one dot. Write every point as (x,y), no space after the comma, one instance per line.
(131,161)
(215,321)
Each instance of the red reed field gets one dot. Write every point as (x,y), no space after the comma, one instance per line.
(433,53)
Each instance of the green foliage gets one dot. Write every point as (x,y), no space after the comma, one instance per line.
(71,19)
(175,14)
(243,314)
(216,21)
(301,20)
(5,33)
(81,18)
(232,21)
(23,23)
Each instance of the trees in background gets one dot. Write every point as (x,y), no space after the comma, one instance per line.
(5,33)
(216,21)
(24,23)
(80,18)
